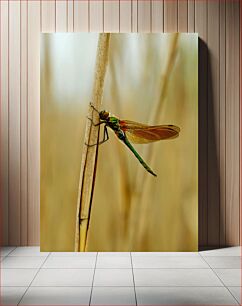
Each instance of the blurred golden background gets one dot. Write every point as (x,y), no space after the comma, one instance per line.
(153,79)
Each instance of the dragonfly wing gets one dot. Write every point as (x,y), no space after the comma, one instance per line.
(128,125)
(141,133)
(136,139)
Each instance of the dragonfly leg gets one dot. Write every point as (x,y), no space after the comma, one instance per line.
(97,124)
(105,135)
(105,138)
(94,107)
(105,132)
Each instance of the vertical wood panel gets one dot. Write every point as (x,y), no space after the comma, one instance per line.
(201,28)
(157,16)
(48,16)
(81,16)
(170,15)
(96,16)
(61,16)
(144,16)
(183,15)
(232,122)
(218,26)
(14,123)
(134,11)
(213,123)
(70,15)
(33,121)
(240,127)
(191,16)
(111,15)
(222,120)
(125,16)
(24,126)
(4,122)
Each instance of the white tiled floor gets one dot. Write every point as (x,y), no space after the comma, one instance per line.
(70,262)
(169,262)
(30,277)
(176,277)
(34,262)
(57,296)
(113,296)
(114,262)
(64,277)
(186,295)
(230,262)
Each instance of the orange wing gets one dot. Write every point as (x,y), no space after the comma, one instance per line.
(142,133)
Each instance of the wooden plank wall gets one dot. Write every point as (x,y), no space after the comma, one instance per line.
(218,25)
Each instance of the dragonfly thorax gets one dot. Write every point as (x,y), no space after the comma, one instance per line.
(104,115)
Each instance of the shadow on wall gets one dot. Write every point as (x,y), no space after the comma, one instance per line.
(209,223)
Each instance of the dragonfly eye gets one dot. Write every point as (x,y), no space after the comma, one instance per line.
(104,115)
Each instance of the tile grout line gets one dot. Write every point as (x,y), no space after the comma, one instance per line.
(233,295)
(4,257)
(14,248)
(34,278)
(220,280)
(11,251)
(135,295)
(117,286)
(121,256)
(90,268)
(90,299)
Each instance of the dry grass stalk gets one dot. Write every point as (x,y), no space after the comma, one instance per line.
(165,80)
(89,154)
(125,194)
(142,203)
(125,188)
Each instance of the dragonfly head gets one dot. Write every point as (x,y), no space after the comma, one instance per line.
(104,115)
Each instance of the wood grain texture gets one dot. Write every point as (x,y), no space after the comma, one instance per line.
(14,123)
(61,16)
(157,14)
(240,128)
(48,16)
(183,15)
(144,16)
(201,28)
(222,121)
(4,122)
(232,122)
(70,15)
(213,123)
(217,23)
(96,16)
(171,15)
(134,11)
(125,16)
(23,123)
(33,212)
(191,16)
(81,16)
(111,16)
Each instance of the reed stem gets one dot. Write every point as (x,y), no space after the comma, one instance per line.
(141,203)
(89,154)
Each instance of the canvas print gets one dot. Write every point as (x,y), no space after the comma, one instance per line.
(119,142)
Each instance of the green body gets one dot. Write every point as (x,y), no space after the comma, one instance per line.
(113,123)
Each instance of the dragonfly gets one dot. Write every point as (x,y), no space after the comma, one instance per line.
(134,132)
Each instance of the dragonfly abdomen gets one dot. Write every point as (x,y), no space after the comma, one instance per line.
(143,163)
